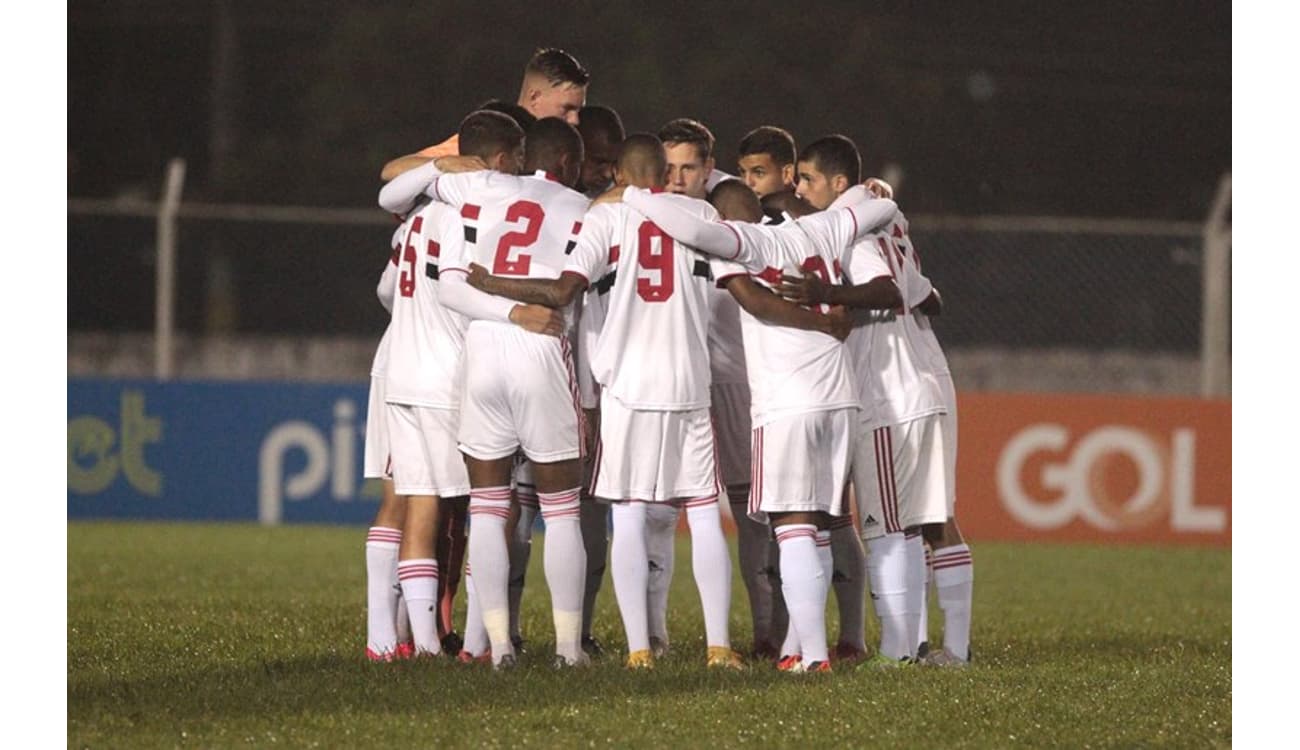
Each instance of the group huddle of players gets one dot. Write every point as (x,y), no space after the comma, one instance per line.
(604,329)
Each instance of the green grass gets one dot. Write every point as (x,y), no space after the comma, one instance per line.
(235,635)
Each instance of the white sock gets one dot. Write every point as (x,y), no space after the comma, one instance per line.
(595,539)
(521,549)
(565,561)
(382,590)
(849,580)
(751,539)
(887,570)
(630,570)
(824,555)
(923,634)
(804,582)
(489,556)
(403,617)
(954,576)
(661,546)
(914,546)
(711,564)
(476,638)
(419,579)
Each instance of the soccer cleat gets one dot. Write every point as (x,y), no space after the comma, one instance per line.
(818,666)
(465,657)
(519,643)
(923,650)
(452,643)
(658,646)
(405,650)
(377,656)
(592,647)
(722,657)
(944,658)
(847,653)
(792,664)
(561,663)
(642,659)
(507,664)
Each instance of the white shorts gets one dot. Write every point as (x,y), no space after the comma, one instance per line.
(425,458)
(376,449)
(801,463)
(519,391)
(654,455)
(898,477)
(949,423)
(733,430)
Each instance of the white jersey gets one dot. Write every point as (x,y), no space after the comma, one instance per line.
(426,338)
(513,226)
(386,290)
(793,371)
(726,343)
(929,341)
(652,349)
(897,383)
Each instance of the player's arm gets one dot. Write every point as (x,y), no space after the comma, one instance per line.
(402,164)
(456,293)
(387,288)
(881,293)
(931,305)
(554,293)
(714,238)
(770,308)
(401,194)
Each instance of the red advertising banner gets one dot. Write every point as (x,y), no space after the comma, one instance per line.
(1094,468)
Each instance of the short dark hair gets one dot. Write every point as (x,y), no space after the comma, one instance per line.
(771,140)
(686,130)
(595,120)
(547,140)
(834,154)
(485,133)
(643,150)
(734,198)
(558,67)
(518,113)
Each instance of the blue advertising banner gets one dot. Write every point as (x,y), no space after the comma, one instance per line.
(271,452)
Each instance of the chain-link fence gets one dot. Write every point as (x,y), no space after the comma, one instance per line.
(1012,287)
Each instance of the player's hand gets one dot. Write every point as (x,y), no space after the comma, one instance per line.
(453,164)
(839,323)
(613,195)
(879,188)
(808,289)
(478,276)
(538,319)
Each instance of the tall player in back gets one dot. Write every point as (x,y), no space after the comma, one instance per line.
(520,392)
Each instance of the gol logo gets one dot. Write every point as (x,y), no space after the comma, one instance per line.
(1116,478)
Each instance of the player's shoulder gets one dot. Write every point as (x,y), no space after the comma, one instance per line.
(696,206)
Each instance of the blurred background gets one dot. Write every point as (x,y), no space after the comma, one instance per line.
(1063,165)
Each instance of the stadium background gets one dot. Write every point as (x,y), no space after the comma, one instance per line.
(1059,164)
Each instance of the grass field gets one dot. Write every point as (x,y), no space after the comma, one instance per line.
(237,635)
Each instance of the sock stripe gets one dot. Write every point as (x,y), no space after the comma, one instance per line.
(912,534)
(785,536)
(491,493)
(841,522)
(951,556)
(954,564)
(701,502)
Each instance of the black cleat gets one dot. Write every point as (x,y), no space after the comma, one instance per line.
(519,643)
(452,643)
(592,647)
(922,650)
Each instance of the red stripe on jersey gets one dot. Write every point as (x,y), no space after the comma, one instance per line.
(855,221)
(470,211)
(613,253)
(577,227)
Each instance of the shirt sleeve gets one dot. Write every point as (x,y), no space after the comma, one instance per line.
(590,257)
(387,288)
(455,292)
(858,215)
(400,194)
(714,238)
(455,189)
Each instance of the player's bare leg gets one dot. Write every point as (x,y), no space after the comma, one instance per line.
(805,579)
(595,537)
(489,555)
(387,627)
(417,571)
(953,577)
(451,558)
(661,547)
(849,581)
(751,541)
(565,557)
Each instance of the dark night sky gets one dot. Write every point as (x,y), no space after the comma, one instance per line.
(1101,109)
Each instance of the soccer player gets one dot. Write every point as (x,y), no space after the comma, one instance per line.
(602,134)
(898,473)
(804,400)
(422,388)
(554,85)
(766,162)
(519,387)
(650,358)
(387,626)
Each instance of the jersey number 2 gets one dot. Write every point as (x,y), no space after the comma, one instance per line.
(508,262)
(649,260)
